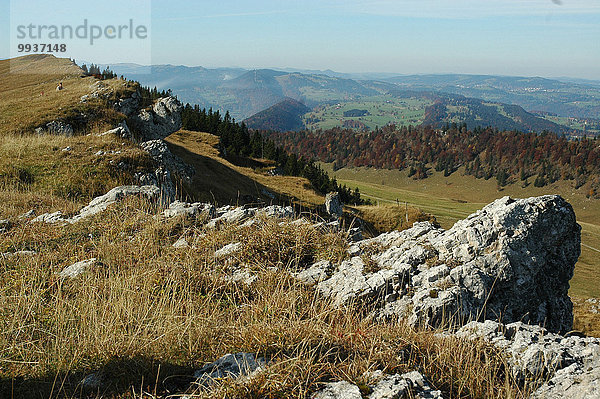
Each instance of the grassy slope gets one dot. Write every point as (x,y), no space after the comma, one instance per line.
(217,178)
(455,197)
(29,98)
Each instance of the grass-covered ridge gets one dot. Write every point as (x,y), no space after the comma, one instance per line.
(29,98)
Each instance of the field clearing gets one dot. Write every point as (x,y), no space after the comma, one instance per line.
(381,111)
(457,196)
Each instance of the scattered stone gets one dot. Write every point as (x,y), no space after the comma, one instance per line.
(57,128)
(242,275)
(121,131)
(534,353)
(55,217)
(76,269)
(181,243)
(8,255)
(228,250)
(277,212)
(5,225)
(179,208)
(229,366)
(99,204)
(338,390)
(594,305)
(409,385)
(231,215)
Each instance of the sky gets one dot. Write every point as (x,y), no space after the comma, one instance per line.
(549,38)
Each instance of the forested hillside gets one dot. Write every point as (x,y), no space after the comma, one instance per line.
(507,156)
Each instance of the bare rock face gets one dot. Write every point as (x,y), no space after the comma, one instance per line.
(158,122)
(510,261)
(168,165)
(333,205)
(129,106)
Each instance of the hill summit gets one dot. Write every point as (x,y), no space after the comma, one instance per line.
(284,116)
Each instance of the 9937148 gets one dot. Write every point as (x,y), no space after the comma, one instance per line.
(41,47)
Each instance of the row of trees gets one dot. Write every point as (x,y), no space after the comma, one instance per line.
(235,140)
(94,70)
(485,153)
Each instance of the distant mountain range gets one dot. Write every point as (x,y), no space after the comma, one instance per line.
(245,93)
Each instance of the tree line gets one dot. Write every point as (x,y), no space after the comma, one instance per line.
(94,70)
(235,140)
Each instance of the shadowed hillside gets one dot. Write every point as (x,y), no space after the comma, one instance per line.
(283,116)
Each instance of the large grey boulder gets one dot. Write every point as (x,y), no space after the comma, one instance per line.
(572,363)
(512,261)
(159,121)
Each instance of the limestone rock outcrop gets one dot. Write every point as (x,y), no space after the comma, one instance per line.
(408,385)
(510,261)
(572,362)
(99,204)
(159,121)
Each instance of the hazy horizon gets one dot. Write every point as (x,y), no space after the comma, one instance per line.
(546,38)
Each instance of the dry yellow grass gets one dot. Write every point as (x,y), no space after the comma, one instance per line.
(36,173)
(388,217)
(148,314)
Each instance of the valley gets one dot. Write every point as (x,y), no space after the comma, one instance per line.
(522,103)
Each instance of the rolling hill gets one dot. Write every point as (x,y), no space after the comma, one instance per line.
(574,105)
(283,116)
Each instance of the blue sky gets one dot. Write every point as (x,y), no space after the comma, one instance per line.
(508,37)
